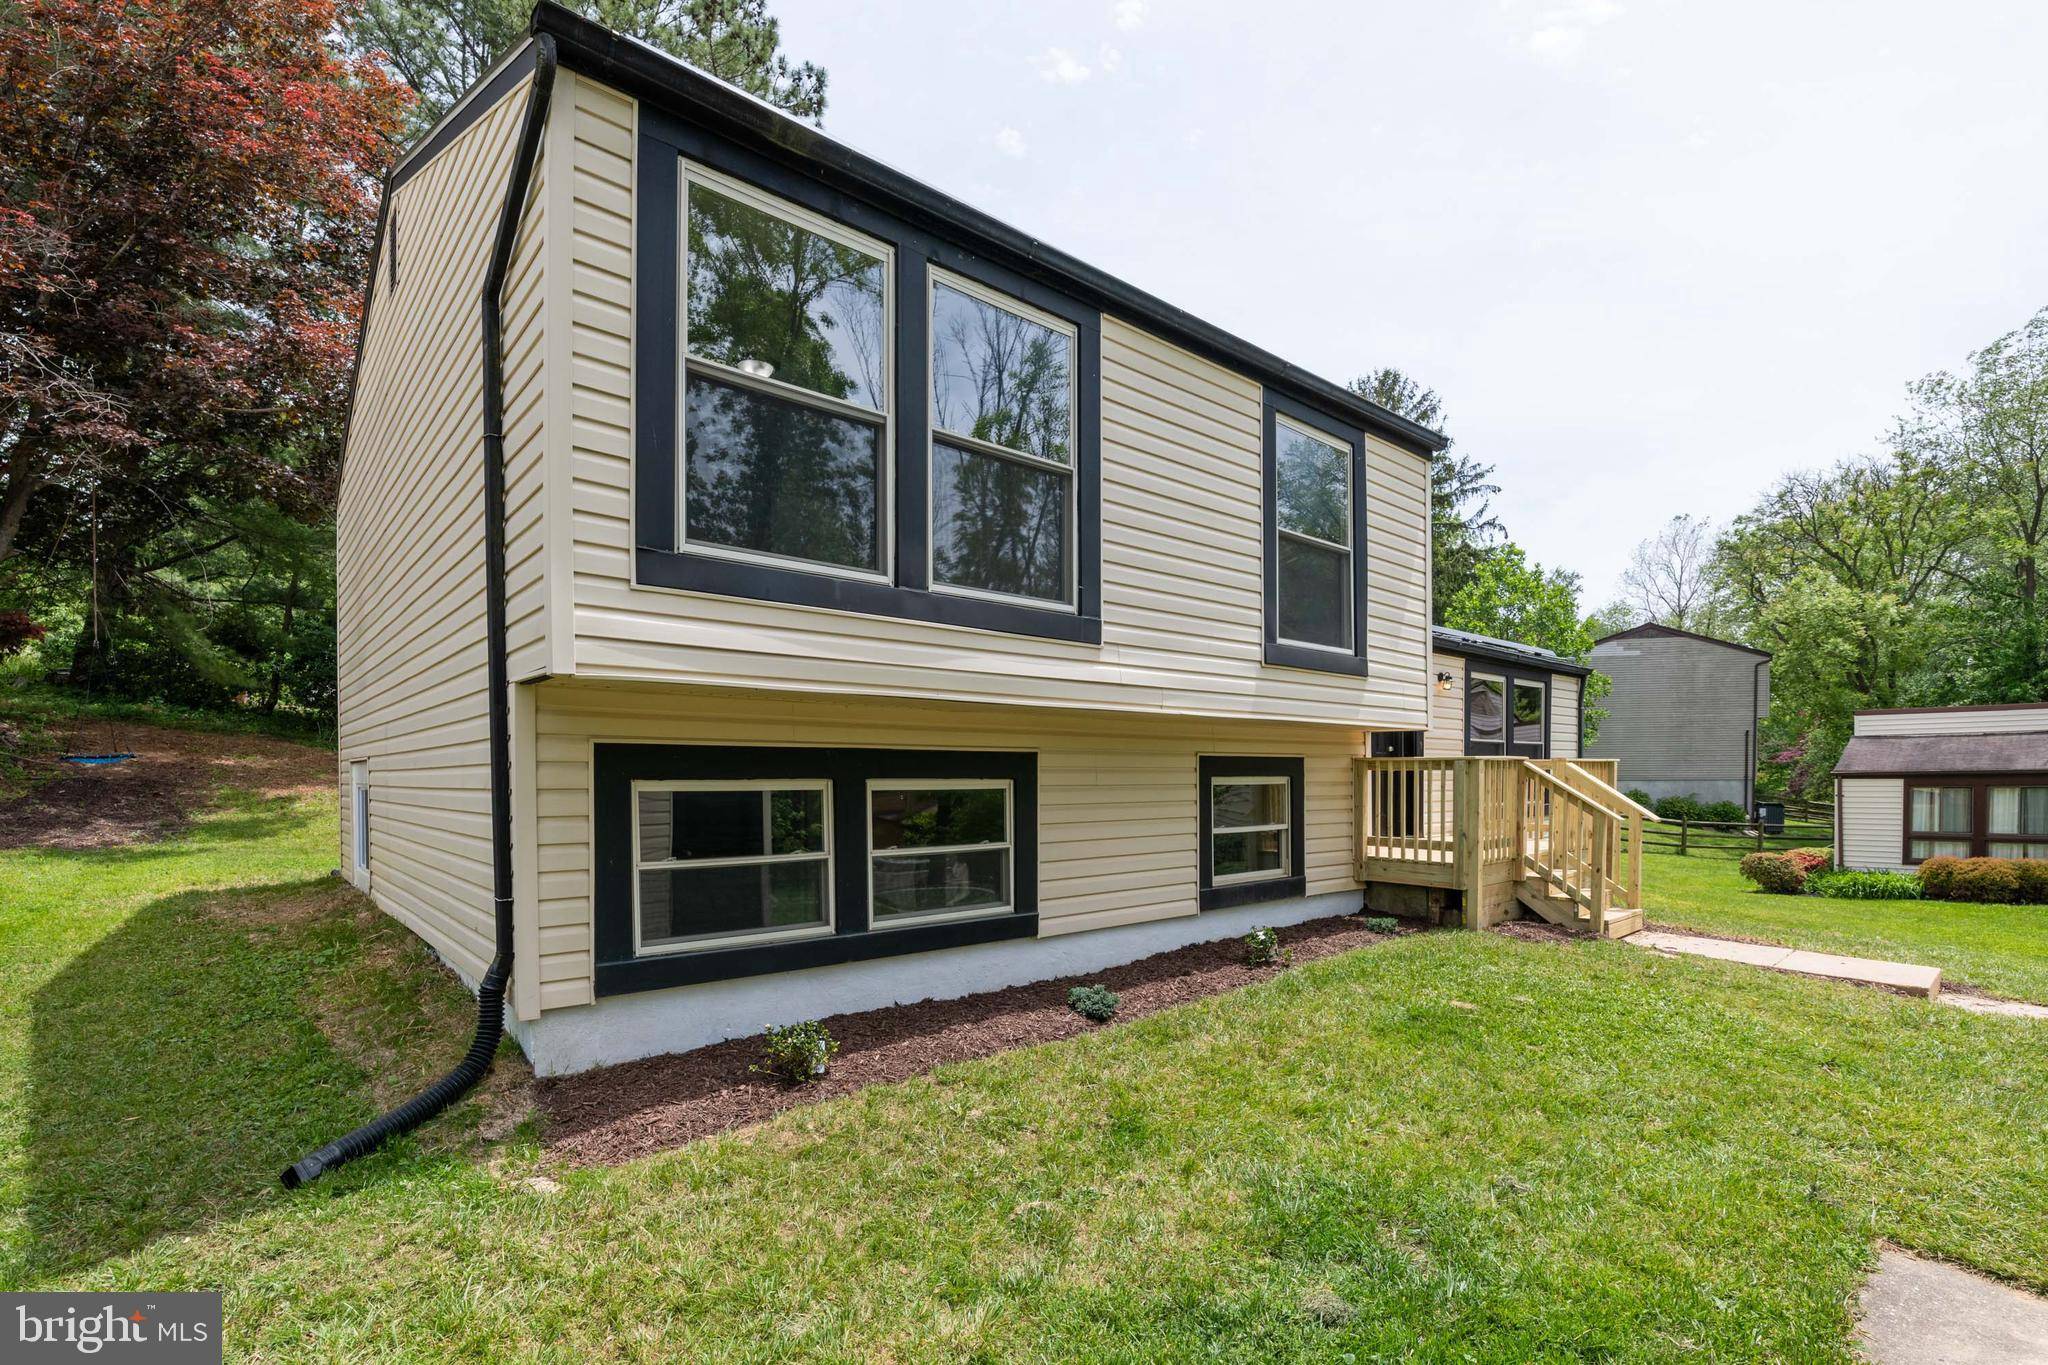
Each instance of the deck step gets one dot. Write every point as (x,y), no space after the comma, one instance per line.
(1536,896)
(1622,923)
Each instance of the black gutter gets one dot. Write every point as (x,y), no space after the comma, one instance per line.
(1533,662)
(648,73)
(490,995)
(1756,730)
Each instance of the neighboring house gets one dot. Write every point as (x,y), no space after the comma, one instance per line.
(1683,717)
(1918,782)
(1491,696)
(896,607)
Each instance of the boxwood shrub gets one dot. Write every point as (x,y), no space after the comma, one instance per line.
(1986,881)
(1776,873)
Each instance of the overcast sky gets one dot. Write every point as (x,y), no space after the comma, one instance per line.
(1651,254)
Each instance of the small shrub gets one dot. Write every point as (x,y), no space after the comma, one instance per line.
(796,1054)
(1775,873)
(1262,948)
(1937,877)
(1092,1002)
(1724,813)
(1985,881)
(1680,808)
(2033,875)
(1382,924)
(1865,886)
(1641,797)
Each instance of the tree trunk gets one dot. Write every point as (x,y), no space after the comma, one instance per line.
(25,470)
(276,683)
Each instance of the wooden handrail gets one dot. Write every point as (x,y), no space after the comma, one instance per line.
(1568,789)
(1621,797)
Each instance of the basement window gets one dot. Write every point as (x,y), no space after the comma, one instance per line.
(1251,842)
(716,862)
(938,850)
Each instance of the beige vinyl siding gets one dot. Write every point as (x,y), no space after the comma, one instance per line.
(1955,721)
(409,546)
(1872,814)
(1564,716)
(1446,736)
(1181,537)
(1117,794)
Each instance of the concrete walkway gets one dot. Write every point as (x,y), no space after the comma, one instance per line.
(1904,977)
(1918,1312)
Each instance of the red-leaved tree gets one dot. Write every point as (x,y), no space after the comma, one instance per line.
(187,200)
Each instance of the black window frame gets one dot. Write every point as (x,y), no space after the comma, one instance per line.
(1339,431)
(658,561)
(1509,676)
(620,969)
(1291,887)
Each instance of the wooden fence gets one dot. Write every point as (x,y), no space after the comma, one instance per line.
(1736,838)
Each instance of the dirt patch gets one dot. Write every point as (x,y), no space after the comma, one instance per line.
(620,1112)
(174,775)
(1534,931)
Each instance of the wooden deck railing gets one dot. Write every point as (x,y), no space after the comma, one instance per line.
(1473,822)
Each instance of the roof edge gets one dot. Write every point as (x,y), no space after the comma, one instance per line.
(1940,710)
(1657,630)
(645,71)
(1467,649)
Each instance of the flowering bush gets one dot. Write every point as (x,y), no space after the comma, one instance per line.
(1776,873)
(1262,948)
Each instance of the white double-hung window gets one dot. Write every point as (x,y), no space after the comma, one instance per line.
(1002,454)
(1250,829)
(939,848)
(787,364)
(719,861)
(1314,510)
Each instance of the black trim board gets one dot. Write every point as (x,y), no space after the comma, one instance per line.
(1464,649)
(707,102)
(1278,888)
(657,289)
(617,766)
(1277,651)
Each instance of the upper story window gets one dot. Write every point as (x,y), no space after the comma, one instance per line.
(786,382)
(1315,540)
(833,408)
(1002,490)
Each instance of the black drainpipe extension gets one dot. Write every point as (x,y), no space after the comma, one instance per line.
(490,994)
(1756,731)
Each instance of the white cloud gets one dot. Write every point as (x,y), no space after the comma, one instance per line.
(1010,143)
(1561,31)
(1111,59)
(1128,15)
(1062,67)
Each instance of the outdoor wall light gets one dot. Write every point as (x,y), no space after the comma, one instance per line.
(1444,682)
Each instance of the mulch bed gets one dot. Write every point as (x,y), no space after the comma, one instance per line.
(620,1112)
(173,775)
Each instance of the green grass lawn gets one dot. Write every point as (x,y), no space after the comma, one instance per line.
(2001,949)
(1452,1147)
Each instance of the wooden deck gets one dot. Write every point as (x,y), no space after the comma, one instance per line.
(1545,835)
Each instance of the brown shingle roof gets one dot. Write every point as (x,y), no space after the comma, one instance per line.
(1912,755)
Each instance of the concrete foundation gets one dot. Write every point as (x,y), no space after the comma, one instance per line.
(621,1028)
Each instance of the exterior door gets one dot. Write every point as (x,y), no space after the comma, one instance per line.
(1506,711)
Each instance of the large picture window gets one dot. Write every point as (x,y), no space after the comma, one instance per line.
(786,382)
(1969,816)
(1315,554)
(1002,397)
(837,409)
(717,862)
(1252,844)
